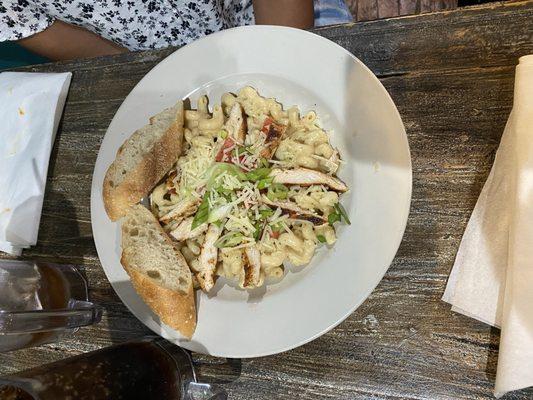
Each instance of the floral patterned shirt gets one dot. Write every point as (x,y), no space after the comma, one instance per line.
(135,24)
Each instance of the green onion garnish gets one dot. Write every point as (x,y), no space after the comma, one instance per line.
(265,213)
(342,211)
(247,149)
(258,174)
(230,239)
(258,229)
(277,227)
(221,167)
(277,191)
(333,217)
(203,212)
(264,183)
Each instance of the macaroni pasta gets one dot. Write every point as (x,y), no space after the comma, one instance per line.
(263,176)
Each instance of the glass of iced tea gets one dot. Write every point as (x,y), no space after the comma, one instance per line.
(149,369)
(41,302)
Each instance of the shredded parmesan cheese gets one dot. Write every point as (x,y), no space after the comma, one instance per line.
(221,165)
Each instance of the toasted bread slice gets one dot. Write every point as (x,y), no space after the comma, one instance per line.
(143,160)
(158,271)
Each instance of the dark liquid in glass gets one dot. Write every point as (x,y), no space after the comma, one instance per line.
(136,370)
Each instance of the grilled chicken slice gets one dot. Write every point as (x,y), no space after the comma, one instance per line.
(307,177)
(207,260)
(295,212)
(274,133)
(184,230)
(182,210)
(252,267)
(236,123)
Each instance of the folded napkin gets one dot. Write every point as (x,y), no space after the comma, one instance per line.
(32,104)
(492,278)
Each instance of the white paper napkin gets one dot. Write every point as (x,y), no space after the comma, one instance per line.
(31,105)
(492,278)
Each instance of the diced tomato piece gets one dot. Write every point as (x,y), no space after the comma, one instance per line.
(274,234)
(266,125)
(229,142)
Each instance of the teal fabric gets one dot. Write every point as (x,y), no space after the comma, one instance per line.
(13,55)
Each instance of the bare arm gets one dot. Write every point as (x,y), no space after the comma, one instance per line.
(295,13)
(62,41)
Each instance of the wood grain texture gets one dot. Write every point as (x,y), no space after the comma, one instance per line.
(451,76)
(367,10)
(388,8)
(408,7)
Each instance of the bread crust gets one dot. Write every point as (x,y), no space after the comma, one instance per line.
(175,307)
(152,168)
(177,310)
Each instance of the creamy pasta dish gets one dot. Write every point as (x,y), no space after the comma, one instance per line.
(254,190)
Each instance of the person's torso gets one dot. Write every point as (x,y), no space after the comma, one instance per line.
(144,24)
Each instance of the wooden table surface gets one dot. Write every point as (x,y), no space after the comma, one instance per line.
(451,75)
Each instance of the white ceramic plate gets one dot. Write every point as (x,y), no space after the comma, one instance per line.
(295,67)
